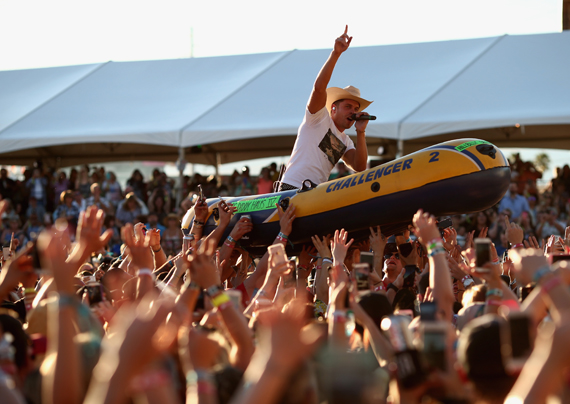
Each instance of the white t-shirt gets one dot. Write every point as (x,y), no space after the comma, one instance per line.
(319,146)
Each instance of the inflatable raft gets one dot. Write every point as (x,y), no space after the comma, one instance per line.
(455,177)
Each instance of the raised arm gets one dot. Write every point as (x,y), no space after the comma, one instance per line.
(318,97)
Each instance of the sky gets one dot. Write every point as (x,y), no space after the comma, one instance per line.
(40,33)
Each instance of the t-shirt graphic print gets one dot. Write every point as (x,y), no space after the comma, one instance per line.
(332,147)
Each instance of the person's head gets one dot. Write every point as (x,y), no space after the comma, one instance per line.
(479,353)
(392,263)
(513,189)
(343,103)
(109,221)
(66,197)
(152,220)
(482,219)
(376,305)
(131,201)
(171,221)
(137,176)
(95,189)
(3,173)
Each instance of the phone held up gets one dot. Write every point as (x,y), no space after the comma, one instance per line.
(482,254)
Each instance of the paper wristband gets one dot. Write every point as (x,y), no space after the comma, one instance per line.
(220,299)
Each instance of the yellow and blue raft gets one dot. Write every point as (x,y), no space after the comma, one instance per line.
(454,177)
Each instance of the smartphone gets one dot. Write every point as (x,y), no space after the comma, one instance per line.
(201,193)
(277,254)
(405,249)
(482,251)
(410,371)
(516,340)
(361,273)
(559,257)
(368,258)
(410,276)
(235,298)
(428,311)
(444,224)
(524,291)
(6,252)
(95,293)
(291,278)
(434,339)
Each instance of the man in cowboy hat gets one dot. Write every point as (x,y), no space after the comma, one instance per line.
(321,141)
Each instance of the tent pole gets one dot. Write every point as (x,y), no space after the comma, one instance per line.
(218,164)
(181,163)
(400,151)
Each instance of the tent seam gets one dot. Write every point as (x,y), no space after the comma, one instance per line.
(448,82)
(54,97)
(232,94)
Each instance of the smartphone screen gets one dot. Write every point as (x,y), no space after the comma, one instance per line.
(361,275)
(434,344)
(428,311)
(367,257)
(277,253)
(405,249)
(482,251)
(6,252)
(560,257)
(521,346)
(95,294)
(410,276)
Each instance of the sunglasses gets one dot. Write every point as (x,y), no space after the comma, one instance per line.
(388,256)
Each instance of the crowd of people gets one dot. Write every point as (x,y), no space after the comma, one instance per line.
(105,300)
(43,195)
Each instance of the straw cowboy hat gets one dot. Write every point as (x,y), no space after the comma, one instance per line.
(347,93)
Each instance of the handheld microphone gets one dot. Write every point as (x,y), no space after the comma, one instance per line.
(363,118)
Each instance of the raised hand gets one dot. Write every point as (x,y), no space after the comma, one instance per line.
(226,212)
(202,268)
(322,246)
(89,227)
(377,240)
(515,234)
(139,248)
(154,240)
(340,246)
(286,218)
(426,227)
(243,226)
(342,42)
(201,210)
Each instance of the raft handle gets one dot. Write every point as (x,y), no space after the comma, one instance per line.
(308,187)
(487,149)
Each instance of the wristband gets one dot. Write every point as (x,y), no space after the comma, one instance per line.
(29,291)
(327,259)
(436,242)
(193,285)
(220,299)
(231,245)
(339,316)
(302,266)
(318,267)
(213,290)
(283,236)
(148,381)
(494,302)
(67,300)
(517,245)
(551,284)
(541,272)
(198,223)
(145,271)
(437,250)
(393,287)
(494,292)
(156,251)
(230,239)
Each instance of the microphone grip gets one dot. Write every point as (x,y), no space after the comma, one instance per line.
(364,118)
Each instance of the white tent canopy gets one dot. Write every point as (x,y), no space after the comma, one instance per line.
(248,106)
